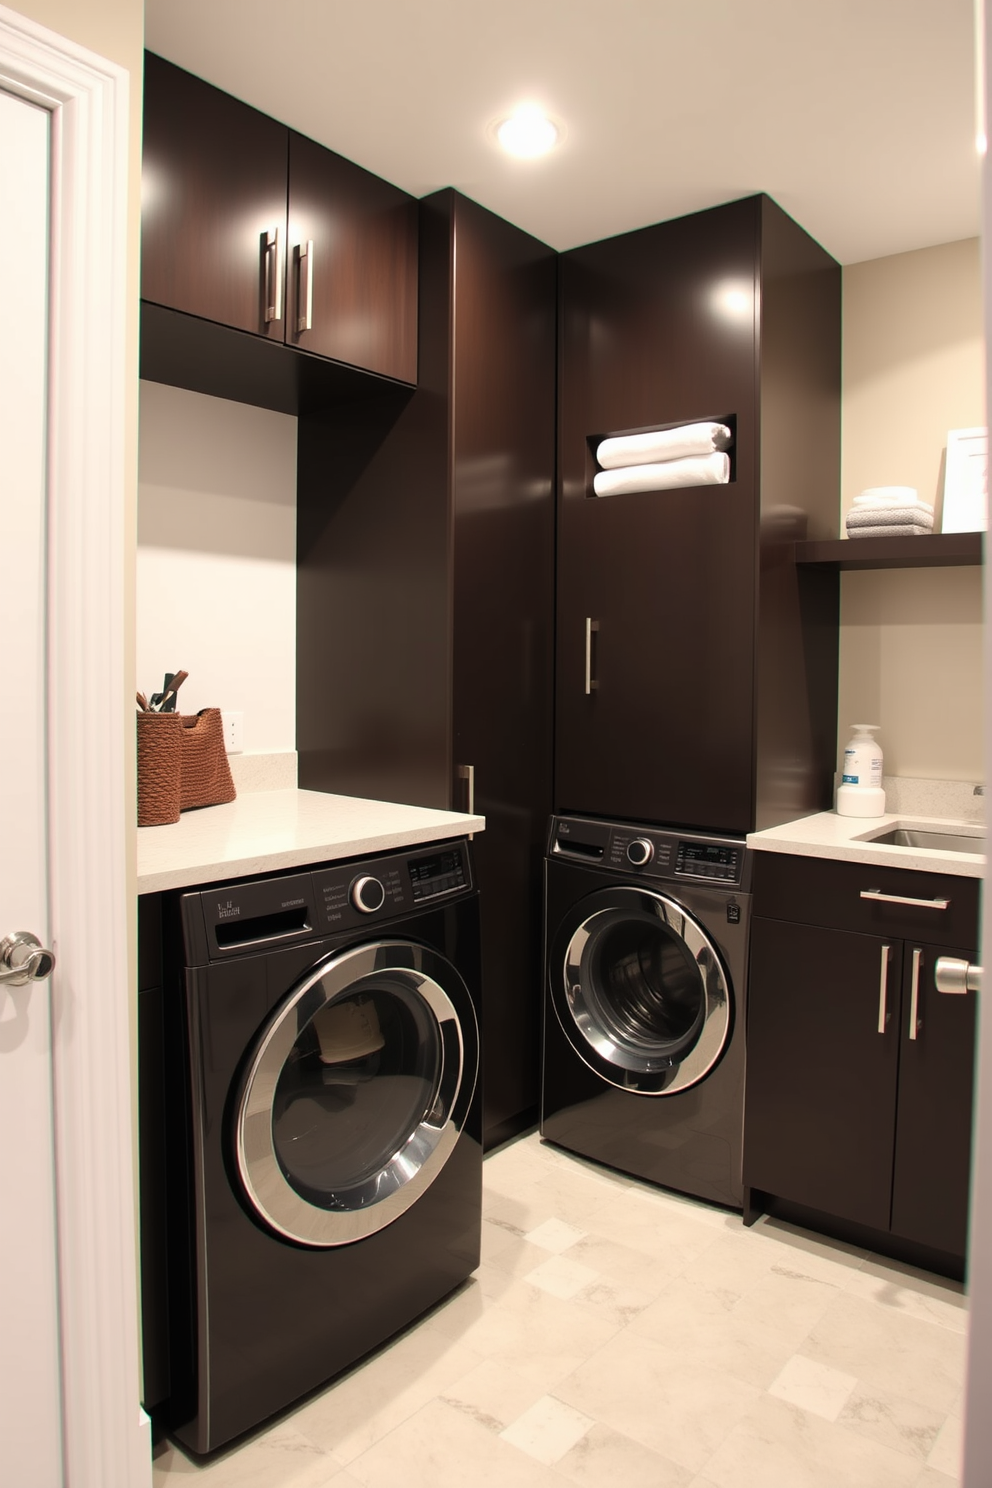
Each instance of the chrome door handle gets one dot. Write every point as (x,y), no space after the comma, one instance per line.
(881,898)
(272,274)
(883,988)
(592,628)
(955,976)
(24,959)
(304,295)
(914,996)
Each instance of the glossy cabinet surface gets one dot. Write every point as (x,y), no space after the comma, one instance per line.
(859,1083)
(230,197)
(696,668)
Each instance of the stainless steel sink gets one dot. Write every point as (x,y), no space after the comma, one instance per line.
(962,842)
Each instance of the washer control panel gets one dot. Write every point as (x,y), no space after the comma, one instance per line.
(708,860)
(651,852)
(232,919)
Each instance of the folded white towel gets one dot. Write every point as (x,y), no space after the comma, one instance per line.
(894,529)
(662,444)
(877,516)
(889,497)
(700,470)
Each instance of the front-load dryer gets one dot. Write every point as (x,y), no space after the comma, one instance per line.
(646,943)
(322,1125)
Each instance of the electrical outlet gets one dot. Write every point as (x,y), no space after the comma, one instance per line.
(234,731)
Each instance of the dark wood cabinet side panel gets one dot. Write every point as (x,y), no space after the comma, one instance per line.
(364,266)
(799,344)
(934,1124)
(819,1122)
(503,585)
(821,891)
(214,174)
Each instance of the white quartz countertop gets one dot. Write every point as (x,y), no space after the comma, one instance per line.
(828,835)
(264,831)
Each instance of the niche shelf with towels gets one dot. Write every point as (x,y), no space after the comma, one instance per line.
(702,444)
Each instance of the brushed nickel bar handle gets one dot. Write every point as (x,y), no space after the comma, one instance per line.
(592,628)
(914,997)
(272,259)
(881,898)
(467,773)
(304,297)
(883,989)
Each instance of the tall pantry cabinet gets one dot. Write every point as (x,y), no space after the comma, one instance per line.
(696,664)
(425,583)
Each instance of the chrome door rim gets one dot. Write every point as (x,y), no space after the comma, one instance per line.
(592,1043)
(407,1173)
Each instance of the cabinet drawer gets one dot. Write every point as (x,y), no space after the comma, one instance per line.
(820,891)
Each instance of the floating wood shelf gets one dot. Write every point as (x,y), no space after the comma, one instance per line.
(935,550)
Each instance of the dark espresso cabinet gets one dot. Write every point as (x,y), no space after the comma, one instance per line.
(859,1080)
(425,582)
(251,226)
(696,666)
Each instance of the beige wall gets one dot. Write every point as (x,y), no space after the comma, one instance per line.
(911,639)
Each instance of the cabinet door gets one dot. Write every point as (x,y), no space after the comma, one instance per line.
(213,182)
(820,1100)
(363,266)
(933,1126)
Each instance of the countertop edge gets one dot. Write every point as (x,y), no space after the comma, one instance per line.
(827,835)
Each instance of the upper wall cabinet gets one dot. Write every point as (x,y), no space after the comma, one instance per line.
(255,228)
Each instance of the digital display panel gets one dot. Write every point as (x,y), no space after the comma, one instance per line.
(439,865)
(707,852)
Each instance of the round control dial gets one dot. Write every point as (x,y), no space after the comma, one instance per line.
(367,894)
(640,852)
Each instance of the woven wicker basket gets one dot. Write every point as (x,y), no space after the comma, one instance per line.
(182,764)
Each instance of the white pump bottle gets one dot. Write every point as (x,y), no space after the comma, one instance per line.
(860,792)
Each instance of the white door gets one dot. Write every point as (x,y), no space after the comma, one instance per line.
(30,1405)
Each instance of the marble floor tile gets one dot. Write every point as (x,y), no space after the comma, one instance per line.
(778,1445)
(547,1430)
(554,1235)
(281,1458)
(618,1336)
(604,1458)
(932,1299)
(561,1277)
(899,1423)
(710,1329)
(814,1387)
(946,1452)
(659,1397)
(442,1448)
(495,1393)
(890,1351)
(390,1387)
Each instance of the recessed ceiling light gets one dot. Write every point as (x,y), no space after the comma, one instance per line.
(528,132)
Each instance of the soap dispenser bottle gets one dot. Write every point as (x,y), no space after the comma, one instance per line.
(860,792)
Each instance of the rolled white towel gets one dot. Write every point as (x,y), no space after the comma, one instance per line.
(662,444)
(889,498)
(890,529)
(700,470)
(878,516)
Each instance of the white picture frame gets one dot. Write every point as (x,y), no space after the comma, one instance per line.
(966,481)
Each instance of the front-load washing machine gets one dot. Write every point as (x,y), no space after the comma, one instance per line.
(646,942)
(322,1128)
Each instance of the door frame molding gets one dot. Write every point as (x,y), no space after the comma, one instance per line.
(106,1436)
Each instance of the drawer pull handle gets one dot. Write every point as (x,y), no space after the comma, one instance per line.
(883,988)
(881,898)
(914,998)
(592,631)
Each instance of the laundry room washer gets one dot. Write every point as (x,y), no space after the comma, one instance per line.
(646,945)
(322,1125)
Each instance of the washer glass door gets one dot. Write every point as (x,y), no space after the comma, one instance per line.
(357,1092)
(641,992)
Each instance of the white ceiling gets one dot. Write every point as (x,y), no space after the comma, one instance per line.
(857,116)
